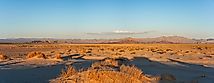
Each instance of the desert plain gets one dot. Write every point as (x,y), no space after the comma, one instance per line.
(107,63)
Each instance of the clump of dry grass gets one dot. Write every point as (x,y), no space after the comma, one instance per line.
(69,72)
(58,56)
(36,55)
(122,74)
(107,63)
(3,57)
(131,70)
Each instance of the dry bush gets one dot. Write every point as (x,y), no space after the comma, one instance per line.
(69,50)
(88,52)
(58,56)
(133,53)
(108,62)
(36,55)
(124,74)
(168,49)
(131,70)
(3,57)
(69,72)
(160,52)
(122,51)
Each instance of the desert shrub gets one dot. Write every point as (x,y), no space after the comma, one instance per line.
(198,48)
(105,64)
(169,49)
(69,72)
(208,56)
(89,51)
(36,55)
(206,48)
(141,48)
(133,53)
(118,54)
(126,74)
(122,51)
(187,51)
(52,51)
(3,57)
(58,56)
(131,70)
(160,52)
(102,49)
(110,61)
(69,50)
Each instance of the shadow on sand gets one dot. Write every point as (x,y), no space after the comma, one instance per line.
(184,72)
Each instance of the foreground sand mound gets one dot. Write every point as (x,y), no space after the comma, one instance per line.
(36,55)
(104,73)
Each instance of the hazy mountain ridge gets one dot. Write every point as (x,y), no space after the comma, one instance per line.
(163,39)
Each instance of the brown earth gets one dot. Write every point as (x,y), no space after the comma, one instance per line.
(191,53)
(22,55)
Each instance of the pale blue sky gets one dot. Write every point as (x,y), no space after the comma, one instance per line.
(76,18)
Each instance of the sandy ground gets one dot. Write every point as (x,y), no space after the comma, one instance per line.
(187,62)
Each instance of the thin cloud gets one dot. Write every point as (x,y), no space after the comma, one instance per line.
(119,32)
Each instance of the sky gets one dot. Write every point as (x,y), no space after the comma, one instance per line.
(106,18)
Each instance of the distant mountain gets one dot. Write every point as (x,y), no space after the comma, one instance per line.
(163,39)
(170,39)
(129,40)
(207,41)
(23,40)
(18,40)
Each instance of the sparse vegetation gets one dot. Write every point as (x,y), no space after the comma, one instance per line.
(58,56)
(108,62)
(36,55)
(69,72)
(131,70)
(3,57)
(121,74)
(111,59)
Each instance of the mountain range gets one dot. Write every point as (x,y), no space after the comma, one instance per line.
(129,40)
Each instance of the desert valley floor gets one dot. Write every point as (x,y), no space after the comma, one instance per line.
(155,63)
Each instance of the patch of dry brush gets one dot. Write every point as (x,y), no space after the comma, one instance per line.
(107,63)
(69,72)
(58,56)
(3,57)
(36,55)
(104,72)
